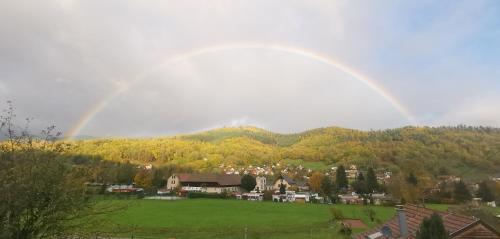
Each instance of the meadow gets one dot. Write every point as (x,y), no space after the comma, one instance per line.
(216,218)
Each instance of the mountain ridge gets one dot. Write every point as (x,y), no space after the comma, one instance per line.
(464,150)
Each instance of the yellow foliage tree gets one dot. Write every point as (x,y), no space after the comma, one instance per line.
(315,181)
(144,179)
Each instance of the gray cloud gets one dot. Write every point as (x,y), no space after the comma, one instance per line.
(60,58)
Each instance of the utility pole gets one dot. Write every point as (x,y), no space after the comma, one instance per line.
(246,231)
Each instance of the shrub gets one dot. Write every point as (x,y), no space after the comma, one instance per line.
(268,195)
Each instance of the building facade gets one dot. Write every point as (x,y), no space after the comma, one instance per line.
(209,183)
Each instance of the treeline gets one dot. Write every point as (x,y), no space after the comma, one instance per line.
(95,170)
(466,151)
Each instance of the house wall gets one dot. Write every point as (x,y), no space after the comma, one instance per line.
(261,183)
(173,182)
(222,189)
(278,183)
(209,187)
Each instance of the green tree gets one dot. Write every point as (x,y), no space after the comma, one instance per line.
(461,193)
(370,213)
(282,188)
(371,181)
(326,187)
(432,228)
(248,182)
(412,179)
(360,185)
(341,178)
(125,173)
(158,178)
(485,193)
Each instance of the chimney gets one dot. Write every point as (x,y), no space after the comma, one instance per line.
(403,224)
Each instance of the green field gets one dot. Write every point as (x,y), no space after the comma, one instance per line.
(218,218)
(438,207)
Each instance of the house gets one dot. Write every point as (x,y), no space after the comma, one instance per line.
(261,184)
(289,196)
(283,179)
(352,198)
(352,172)
(408,218)
(209,183)
(380,198)
(303,186)
(449,178)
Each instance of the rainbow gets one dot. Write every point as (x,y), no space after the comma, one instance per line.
(317,56)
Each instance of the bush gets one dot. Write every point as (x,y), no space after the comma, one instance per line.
(345,230)
(268,195)
(389,203)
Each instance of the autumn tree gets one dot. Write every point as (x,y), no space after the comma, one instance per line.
(41,195)
(315,181)
(144,179)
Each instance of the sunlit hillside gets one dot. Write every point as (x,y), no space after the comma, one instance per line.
(466,151)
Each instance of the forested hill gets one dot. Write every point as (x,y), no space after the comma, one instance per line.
(466,151)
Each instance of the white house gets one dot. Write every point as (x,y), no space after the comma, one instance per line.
(261,183)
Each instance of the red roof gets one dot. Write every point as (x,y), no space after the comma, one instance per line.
(222,180)
(453,223)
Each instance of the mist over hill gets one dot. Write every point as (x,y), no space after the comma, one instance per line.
(472,152)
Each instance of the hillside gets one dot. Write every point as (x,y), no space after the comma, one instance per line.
(467,151)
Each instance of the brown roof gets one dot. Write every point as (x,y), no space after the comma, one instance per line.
(222,180)
(453,223)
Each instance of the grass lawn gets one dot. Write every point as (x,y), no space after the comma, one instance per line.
(438,207)
(218,218)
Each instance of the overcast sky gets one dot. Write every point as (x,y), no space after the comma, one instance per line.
(59,59)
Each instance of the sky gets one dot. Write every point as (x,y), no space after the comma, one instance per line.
(152,68)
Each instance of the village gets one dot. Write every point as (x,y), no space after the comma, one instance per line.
(269,184)
(277,183)
(263,184)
